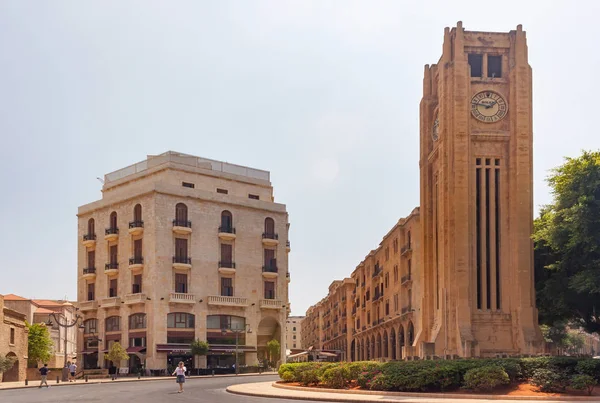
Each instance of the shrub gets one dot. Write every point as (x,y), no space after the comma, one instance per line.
(589,367)
(549,381)
(486,378)
(310,377)
(581,382)
(336,377)
(283,368)
(287,376)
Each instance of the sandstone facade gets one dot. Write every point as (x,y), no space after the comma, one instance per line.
(13,342)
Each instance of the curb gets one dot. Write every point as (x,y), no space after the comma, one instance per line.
(378,396)
(110,381)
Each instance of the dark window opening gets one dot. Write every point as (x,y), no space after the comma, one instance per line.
(497,196)
(181,285)
(255,197)
(91,291)
(269,290)
(494,66)
(478,231)
(227,287)
(223,191)
(488,280)
(136,287)
(12,335)
(112,290)
(476,63)
(188,185)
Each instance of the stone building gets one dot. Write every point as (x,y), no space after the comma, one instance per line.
(13,342)
(465,263)
(293,332)
(182,248)
(41,311)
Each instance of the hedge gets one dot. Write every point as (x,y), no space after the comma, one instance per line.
(443,375)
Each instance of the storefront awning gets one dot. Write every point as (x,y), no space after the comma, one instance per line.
(173,348)
(89,351)
(298,355)
(230,349)
(135,349)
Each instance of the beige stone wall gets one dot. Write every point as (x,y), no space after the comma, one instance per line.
(158,193)
(10,319)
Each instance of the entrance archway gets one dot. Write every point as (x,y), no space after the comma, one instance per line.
(393,343)
(12,375)
(268,329)
(386,351)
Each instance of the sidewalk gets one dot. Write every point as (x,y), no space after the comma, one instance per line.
(278,391)
(52,382)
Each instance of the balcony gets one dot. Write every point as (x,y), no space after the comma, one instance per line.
(182,262)
(227,267)
(132,299)
(89,240)
(270,271)
(270,304)
(220,300)
(354,311)
(111,234)
(89,272)
(377,271)
(136,262)
(111,268)
(406,310)
(288,246)
(111,302)
(227,233)
(88,306)
(182,227)
(406,250)
(269,239)
(136,227)
(406,280)
(182,298)
(287,277)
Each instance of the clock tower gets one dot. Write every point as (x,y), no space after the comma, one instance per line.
(476,149)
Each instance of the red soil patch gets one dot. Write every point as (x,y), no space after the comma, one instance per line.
(522,389)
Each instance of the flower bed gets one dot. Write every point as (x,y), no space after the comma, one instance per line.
(548,374)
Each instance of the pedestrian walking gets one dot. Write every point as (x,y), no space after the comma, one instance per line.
(72,371)
(180,372)
(44,374)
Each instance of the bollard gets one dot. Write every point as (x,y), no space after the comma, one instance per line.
(139,376)
(213,372)
(57,379)
(86,378)
(26,381)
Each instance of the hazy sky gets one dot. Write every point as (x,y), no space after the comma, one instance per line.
(323,94)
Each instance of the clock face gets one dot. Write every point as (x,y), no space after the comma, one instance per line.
(435,131)
(488,106)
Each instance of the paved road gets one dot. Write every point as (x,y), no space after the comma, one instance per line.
(206,390)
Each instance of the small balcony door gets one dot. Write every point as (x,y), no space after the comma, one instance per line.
(227,287)
(136,287)
(181,248)
(181,283)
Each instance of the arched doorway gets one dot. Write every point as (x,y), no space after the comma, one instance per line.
(386,352)
(400,341)
(410,335)
(12,375)
(373,347)
(368,349)
(268,329)
(378,345)
(393,343)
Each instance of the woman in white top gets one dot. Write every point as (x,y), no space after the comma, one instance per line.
(180,372)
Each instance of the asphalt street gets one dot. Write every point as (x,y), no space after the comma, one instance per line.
(207,390)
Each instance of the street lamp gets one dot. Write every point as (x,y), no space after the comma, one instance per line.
(237,332)
(65,324)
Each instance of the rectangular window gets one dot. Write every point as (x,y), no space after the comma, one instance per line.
(395,274)
(409,263)
(113,324)
(112,288)
(226,254)
(91,255)
(137,342)
(222,191)
(387,254)
(181,283)
(294,337)
(114,254)
(254,197)
(188,185)
(269,290)
(387,279)
(395,302)
(387,307)
(270,260)
(181,248)
(494,66)
(476,63)
(91,291)
(226,286)
(137,284)
(12,335)
(294,329)
(137,248)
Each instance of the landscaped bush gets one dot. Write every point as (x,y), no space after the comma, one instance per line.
(589,367)
(581,382)
(336,377)
(486,378)
(549,381)
(310,377)
(287,376)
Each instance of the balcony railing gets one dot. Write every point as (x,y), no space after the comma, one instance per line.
(227,229)
(89,237)
(182,259)
(136,260)
(267,235)
(136,224)
(111,231)
(269,269)
(406,309)
(405,279)
(288,244)
(184,298)
(182,223)
(377,271)
(405,249)
(111,266)
(89,270)
(229,265)
(227,301)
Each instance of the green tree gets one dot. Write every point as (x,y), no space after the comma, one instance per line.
(39,343)
(199,347)
(567,245)
(6,363)
(273,349)
(116,354)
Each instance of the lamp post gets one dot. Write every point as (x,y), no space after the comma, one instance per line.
(237,332)
(65,325)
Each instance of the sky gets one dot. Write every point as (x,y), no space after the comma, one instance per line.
(323,94)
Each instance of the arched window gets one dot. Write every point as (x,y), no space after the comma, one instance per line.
(137,321)
(181,216)
(113,220)
(269,229)
(91,228)
(137,213)
(113,324)
(90,326)
(180,320)
(410,334)
(227,222)
(219,329)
